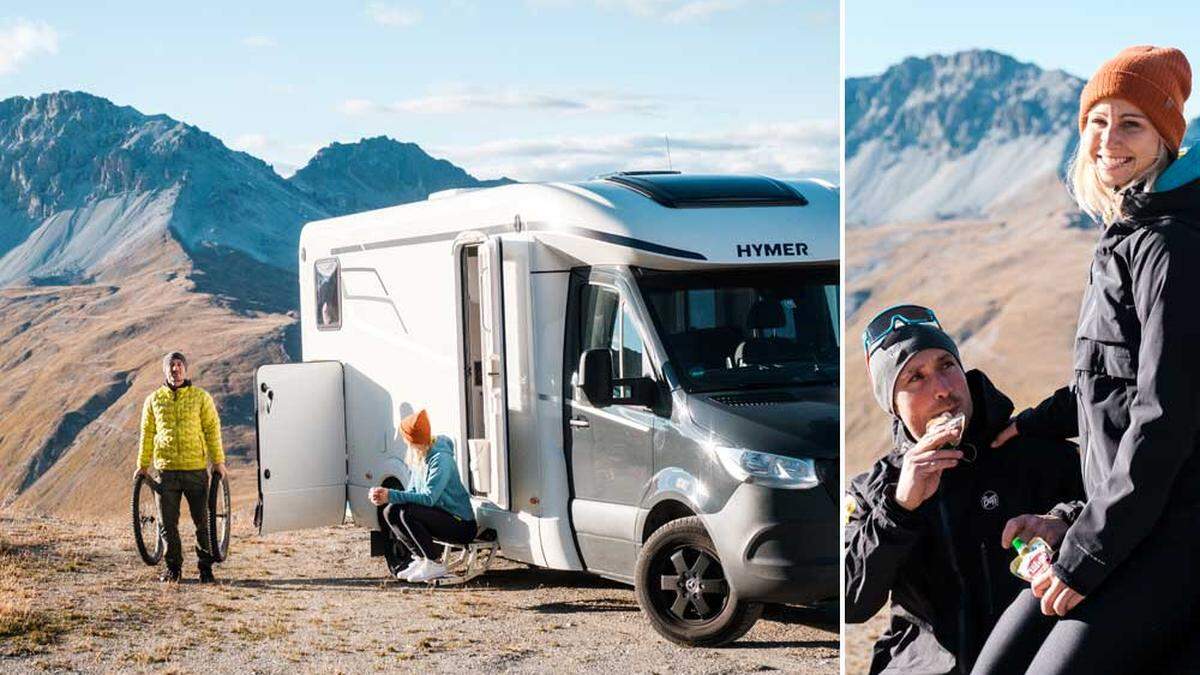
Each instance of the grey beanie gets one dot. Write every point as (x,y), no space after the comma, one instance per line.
(166,363)
(897,348)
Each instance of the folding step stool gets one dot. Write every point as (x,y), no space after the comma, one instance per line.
(464,563)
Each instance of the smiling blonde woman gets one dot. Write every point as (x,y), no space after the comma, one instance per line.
(1130,554)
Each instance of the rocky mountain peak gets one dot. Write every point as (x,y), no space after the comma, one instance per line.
(377,172)
(949,104)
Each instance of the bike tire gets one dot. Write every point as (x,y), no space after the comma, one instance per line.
(220,519)
(147,526)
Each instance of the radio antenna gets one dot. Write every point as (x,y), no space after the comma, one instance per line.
(668,140)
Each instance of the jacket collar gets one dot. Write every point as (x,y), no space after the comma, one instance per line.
(1183,202)
(991,411)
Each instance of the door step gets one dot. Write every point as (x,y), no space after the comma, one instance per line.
(464,563)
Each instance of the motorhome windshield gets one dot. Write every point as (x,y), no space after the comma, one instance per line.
(742,328)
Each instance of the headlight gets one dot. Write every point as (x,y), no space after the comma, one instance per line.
(763,468)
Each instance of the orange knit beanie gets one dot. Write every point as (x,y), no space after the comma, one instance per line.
(1156,79)
(415,428)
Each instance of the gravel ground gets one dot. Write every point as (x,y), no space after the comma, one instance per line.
(75,597)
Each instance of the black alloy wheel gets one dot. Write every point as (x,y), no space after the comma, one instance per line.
(220,520)
(682,589)
(147,523)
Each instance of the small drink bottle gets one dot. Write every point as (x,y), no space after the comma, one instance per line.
(1032,559)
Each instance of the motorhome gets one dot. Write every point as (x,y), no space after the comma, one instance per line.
(640,374)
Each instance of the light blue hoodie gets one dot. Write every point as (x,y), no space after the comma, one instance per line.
(438,485)
(1185,169)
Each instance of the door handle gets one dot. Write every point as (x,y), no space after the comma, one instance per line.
(579,423)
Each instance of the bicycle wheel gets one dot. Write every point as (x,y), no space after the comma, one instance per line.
(219,517)
(147,525)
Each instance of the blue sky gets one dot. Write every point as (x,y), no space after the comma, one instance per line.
(533,89)
(1075,35)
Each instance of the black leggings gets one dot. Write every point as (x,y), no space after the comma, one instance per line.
(1140,619)
(416,526)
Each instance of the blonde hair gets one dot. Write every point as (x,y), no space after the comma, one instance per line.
(417,454)
(1098,200)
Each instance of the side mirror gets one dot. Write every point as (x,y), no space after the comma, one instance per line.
(595,376)
(641,391)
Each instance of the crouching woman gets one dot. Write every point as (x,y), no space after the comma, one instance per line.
(435,505)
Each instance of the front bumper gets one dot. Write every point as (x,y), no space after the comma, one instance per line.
(778,545)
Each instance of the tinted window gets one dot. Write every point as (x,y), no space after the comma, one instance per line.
(746,328)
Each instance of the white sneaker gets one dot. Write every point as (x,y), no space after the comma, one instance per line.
(428,572)
(402,575)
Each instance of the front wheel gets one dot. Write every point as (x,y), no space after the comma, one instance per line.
(682,589)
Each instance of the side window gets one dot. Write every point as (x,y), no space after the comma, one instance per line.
(329,297)
(632,351)
(606,323)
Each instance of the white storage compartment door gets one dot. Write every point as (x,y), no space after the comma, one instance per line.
(301,422)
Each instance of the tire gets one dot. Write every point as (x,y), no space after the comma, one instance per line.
(146,520)
(220,519)
(682,589)
(395,554)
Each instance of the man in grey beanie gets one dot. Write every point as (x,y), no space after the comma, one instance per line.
(928,525)
(180,437)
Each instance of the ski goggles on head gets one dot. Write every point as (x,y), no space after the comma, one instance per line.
(892,319)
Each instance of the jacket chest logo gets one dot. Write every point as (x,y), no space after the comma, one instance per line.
(990,501)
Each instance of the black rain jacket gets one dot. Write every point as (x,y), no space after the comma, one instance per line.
(942,563)
(1134,402)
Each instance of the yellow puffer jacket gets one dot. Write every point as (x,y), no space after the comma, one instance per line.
(180,430)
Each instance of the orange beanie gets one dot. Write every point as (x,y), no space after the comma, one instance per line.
(415,428)
(1156,79)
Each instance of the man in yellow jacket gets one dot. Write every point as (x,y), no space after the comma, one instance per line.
(181,434)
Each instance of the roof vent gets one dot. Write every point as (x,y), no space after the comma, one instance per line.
(678,191)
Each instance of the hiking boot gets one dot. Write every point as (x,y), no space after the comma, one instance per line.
(170,575)
(206,575)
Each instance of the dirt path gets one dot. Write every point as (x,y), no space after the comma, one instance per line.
(75,597)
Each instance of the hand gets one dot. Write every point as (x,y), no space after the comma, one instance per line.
(1003,437)
(219,467)
(921,472)
(141,472)
(378,496)
(1057,597)
(1050,528)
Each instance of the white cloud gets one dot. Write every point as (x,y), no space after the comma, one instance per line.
(786,149)
(386,14)
(467,99)
(671,11)
(259,41)
(700,10)
(21,40)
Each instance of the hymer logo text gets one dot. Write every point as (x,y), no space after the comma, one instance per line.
(764,250)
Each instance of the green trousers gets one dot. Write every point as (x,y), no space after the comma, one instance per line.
(192,485)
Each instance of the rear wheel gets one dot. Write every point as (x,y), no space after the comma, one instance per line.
(682,589)
(219,518)
(395,554)
(147,526)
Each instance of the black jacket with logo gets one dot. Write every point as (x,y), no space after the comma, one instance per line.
(1134,402)
(942,563)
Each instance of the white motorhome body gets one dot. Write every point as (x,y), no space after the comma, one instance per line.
(457,305)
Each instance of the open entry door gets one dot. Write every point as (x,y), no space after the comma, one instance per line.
(487,451)
(301,421)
